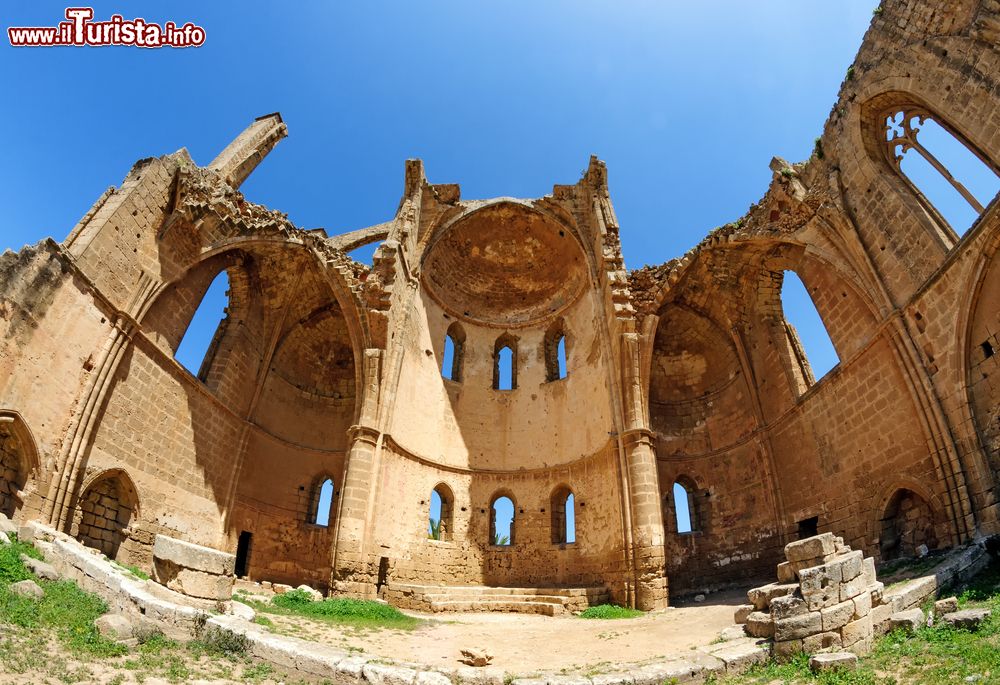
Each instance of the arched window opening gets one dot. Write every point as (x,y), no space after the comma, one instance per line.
(683,508)
(324,503)
(505,363)
(454,348)
(555,351)
(502,522)
(810,341)
(196,348)
(907,526)
(563,507)
(440,518)
(942,168)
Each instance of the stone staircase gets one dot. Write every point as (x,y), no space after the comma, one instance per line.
(481,598)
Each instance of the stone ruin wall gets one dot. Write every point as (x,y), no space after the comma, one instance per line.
(682,372)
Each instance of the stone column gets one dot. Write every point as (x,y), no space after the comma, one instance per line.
(649,560)
(353,572)
(242,156)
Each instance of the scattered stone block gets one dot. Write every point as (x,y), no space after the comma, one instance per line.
(193,570)
(949,605)
(739,656)
(868,571)
(838,615)
(852,588)
(742,611)
(759,624)
(880,618)
(858,632)
(967,619)
(848,566)
(761,597)
(833,660)
(787,607)
(40,568)
(908,621)
(786,649)
(786,573)
(316,595)
(862,604)
(476,657)
(821,641)
(7,526)
(811,548)
(798,627)
(4,539)
(114,626)
(699,598)
(27,588)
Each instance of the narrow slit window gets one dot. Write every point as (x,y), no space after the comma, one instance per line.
(448,358)
(563,508)
(505,364)
(682,508)
(451,358)
(561,354)
(941,167)
(440,516)
(502,522)
(324,503)
(555,351)
(808,327)
(193,353)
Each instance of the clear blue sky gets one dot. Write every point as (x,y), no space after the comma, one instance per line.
(687,103)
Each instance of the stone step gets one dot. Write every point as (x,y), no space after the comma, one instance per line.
(466,590)
(486,598)
(545,599)
(520,607)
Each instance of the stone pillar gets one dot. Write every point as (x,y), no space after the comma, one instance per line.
(647,522)
(649,560)
(242,156)
(353,572)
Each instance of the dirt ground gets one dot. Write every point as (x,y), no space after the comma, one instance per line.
(524,643)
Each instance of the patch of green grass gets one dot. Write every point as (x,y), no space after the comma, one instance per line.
(263,621)
(353,612)
(65,608)
(610,611)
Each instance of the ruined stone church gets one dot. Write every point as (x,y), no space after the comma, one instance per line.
(384,386)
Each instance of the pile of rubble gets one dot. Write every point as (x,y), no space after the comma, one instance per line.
(827,598)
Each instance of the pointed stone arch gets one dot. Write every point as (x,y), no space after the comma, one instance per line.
(19,461)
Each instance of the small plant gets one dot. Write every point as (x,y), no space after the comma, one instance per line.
(435,530)
(877,11)
(263,621)
(787,173)
(850,73)
(221,642)
(610,611)
(133,569)
(501,539)
(818,148)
